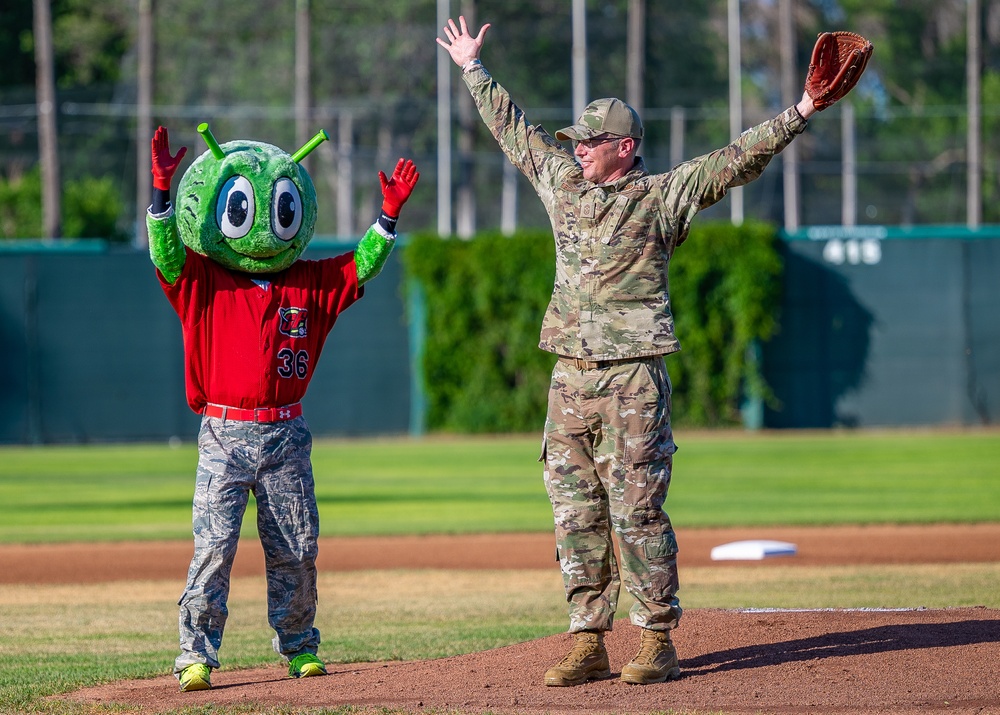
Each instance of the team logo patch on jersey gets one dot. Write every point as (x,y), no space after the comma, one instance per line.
(293,321)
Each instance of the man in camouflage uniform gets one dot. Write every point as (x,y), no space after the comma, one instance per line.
(608,448)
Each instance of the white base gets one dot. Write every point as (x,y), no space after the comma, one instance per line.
(754,550)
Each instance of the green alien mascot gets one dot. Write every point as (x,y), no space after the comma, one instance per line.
(254,321)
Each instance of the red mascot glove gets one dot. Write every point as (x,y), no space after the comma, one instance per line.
(397,190)
(164,165)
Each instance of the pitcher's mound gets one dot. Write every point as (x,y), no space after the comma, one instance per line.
(859,662)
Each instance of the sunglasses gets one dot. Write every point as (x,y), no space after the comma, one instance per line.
(589,144)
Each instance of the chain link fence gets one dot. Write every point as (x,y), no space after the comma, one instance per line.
(911,183)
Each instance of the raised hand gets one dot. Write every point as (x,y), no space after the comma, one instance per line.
(461,45)
(396,190)
(164,165)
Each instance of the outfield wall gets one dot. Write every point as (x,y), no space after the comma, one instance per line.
(887,327)
(93,352)
(880,327)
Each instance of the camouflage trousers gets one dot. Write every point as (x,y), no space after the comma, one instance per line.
(272,461)
(608,454)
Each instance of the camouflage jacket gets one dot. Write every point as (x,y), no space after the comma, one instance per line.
(610,299)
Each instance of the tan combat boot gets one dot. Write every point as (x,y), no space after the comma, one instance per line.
(586,660)
(655,662)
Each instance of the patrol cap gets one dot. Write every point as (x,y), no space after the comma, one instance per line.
(604,116)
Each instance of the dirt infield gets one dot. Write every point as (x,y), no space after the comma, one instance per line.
(97,563)
(864,662)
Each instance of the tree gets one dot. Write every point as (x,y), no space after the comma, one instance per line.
(920,70)
(15,45)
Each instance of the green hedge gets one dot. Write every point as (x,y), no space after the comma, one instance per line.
(484,300)
(725,291)
(91,207)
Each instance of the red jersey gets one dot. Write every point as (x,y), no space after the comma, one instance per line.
(249,345)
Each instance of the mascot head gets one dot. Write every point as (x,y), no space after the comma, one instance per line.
(246,205)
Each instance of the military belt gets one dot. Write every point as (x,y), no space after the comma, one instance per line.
(581,364)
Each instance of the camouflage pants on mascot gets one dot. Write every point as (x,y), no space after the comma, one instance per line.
(272,461)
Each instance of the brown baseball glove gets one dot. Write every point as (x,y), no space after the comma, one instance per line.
(838,59)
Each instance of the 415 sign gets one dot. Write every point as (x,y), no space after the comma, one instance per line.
(853,245)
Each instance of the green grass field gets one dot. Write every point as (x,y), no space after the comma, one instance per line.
(57,638)
(463,485)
